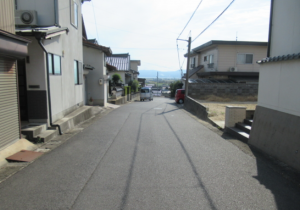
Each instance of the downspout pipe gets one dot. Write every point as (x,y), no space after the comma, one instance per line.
(270,28)
(39,38)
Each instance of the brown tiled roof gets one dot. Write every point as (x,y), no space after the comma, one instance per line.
(106,50)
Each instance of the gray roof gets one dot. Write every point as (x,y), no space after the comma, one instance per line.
(280,58)
(223,42)
(120,61)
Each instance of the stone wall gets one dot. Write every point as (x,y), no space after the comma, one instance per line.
(199,90)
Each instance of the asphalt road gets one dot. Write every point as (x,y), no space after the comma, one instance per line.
(147,155)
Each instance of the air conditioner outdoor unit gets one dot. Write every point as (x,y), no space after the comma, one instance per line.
(233,69)
(26,18)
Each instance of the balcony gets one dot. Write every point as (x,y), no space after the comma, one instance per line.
(210,65)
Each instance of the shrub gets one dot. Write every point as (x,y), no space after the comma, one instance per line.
(116,78)
(135,85)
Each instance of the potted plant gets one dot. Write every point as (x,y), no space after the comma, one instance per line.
(91,101)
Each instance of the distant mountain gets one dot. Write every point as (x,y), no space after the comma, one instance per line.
(161,74)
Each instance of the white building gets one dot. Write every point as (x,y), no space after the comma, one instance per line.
(96,78)
(275,128)
(53,69)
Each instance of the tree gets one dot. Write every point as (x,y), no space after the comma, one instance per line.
(134,85)
(116,78)
(174,86)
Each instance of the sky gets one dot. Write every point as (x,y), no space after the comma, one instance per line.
(148,30)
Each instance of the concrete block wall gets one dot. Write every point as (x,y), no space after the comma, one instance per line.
(197,90)
(233,115)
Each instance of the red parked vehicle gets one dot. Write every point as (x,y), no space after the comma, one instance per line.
(179,96)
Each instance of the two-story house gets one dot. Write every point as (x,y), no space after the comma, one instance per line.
(96,78)
(218,59)
(275,129)
(53,69)
(12,48)
(126,68)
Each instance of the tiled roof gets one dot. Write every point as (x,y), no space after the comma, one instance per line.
(106,50)
(110,67)
(280,58)
(121,61)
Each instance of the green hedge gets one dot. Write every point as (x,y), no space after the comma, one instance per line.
(125,91)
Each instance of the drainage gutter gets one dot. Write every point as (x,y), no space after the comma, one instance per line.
(39,38)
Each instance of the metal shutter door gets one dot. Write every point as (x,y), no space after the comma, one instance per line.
(9,114)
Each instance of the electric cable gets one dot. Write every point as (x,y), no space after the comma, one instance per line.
(95,21)
(189,19)
(178,54)
(214,20)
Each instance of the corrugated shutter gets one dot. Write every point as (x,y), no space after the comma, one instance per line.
(9,115)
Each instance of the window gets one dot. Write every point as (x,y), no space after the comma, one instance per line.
(77,73)
(74,13)
(193,62)
(144,90)
(54,64)
(205,58)
(245,58)
(211,59)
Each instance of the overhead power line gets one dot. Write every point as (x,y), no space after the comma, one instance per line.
(189,19)
(95,22)
(214,20)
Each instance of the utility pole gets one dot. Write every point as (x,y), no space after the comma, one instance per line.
(157,80)
(187,69)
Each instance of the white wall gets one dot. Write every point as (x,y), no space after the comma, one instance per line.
(65,95)
(285,28)
(228,57)
(134,65)
(121,73)
(70,47)
(35,69)
(212,51)
(98,92)
(279,86)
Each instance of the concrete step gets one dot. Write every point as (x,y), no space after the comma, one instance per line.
(76,117)
(248,122)
(238,133)
(46,135)
(33,130)
(243,127)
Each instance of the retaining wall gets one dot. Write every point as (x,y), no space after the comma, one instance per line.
(198,90)
(195,108)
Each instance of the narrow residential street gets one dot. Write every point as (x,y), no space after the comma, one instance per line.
(147,155)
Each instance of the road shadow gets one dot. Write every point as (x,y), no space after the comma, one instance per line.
(282,180)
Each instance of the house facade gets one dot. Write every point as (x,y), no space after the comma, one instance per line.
(122,64)
(12,48)
(134,65)
(54,67)
(225,56)
(275,128)
(96,78)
